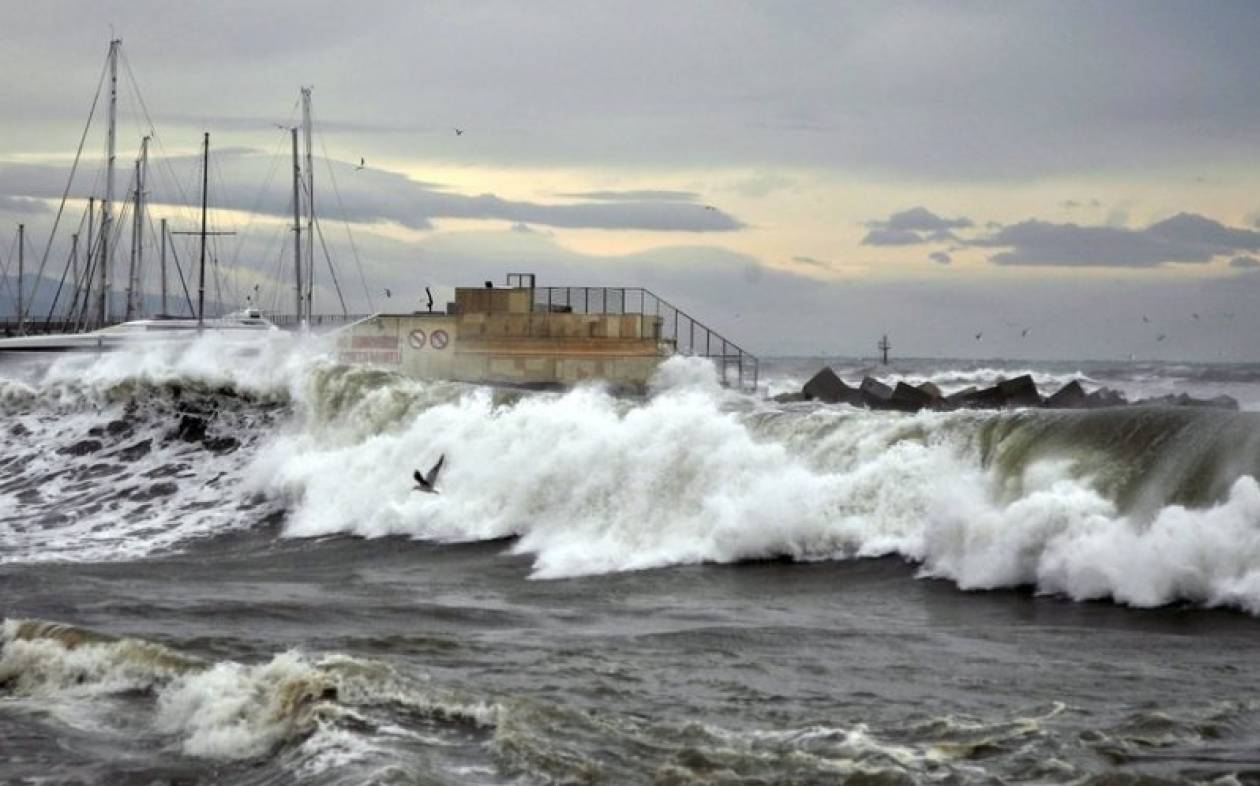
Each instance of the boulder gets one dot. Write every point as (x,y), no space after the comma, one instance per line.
(1020,392)
(985,398)
(931,389)
(1184,400)
(875,394)
(1070,396)
(908,398)
(1106,397)
(826,386)
(957,398)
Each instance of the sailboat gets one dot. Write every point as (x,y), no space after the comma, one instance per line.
(247,323)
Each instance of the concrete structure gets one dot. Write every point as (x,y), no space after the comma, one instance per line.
(521,335)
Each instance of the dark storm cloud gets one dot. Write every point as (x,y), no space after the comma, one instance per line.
(1032,89)
(372,195)
(913,226)
(1185,238)
(940,257)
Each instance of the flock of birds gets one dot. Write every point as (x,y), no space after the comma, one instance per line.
(1024,331)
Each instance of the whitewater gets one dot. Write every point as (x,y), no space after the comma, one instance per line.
(215,568)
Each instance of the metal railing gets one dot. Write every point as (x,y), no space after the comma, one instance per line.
(684,334)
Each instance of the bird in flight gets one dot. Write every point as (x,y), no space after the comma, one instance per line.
(710,207)
(1024,333)
(1196,316)
(427,483)
(1161,337)
(979,335)
(387,292)
(1146,318)
(362,164)
(459,132)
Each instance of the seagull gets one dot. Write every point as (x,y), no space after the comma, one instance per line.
(426,483)
(979,335)
(362,164)
(1024,333)
(459,132)
(1161,337)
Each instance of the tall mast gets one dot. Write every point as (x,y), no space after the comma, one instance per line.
(310,200)
(134,295)
(87,263)
(205,192)
(21,276)
(164,311)
(297,225)
(106,217)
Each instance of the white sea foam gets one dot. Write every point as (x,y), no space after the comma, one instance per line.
(223,710)
(592,484)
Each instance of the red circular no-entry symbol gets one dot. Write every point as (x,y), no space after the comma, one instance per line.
(439,339)
(416,339)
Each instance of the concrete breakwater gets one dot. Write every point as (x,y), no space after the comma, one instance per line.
(1017,392)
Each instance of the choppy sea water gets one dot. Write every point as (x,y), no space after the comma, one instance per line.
(214,569)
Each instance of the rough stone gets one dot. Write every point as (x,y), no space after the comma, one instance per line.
(931,389)
(1020,392)
(1106,397)
(826,386)
(1185,400)
(908,398)
(1070,396)
(875,394)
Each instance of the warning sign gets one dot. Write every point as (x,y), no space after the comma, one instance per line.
(439,339)
(416,338)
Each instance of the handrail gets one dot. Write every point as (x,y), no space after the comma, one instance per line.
(676,325)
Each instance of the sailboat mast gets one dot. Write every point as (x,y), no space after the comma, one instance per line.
(134,296)
(297,225)
(106,216)
(164,311)
(205,192)
(310,201)
(21,276)
(87,266)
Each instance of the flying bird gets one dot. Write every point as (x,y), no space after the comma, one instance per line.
(459,132)
(1196,316)
(1146,319)
(979,335)
(710,207)
(1161,337)
(1024,333)
(427,483)
(387,292)
(362,164)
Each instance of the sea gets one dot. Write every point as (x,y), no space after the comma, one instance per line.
(214,569)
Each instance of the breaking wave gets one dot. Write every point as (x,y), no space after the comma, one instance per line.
(1142,506)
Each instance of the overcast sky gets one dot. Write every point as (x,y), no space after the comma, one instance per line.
(1071,180)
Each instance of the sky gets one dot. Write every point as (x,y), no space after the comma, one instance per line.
(1056,180)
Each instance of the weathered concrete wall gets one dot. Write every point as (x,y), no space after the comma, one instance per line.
(513,347)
